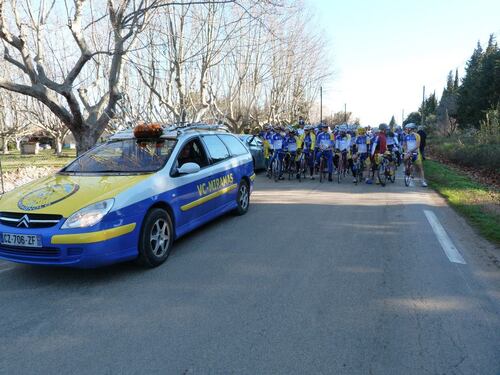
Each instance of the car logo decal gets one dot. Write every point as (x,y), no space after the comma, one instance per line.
(25,220)
(46,196)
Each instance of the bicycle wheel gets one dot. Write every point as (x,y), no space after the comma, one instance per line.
(408,175)
(321,168)
(381,175)
(276,170)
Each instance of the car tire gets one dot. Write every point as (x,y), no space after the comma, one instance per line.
(156,238)
(242,198)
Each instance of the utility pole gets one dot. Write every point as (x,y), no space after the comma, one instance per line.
(423,104)
(321,104)
(345,113)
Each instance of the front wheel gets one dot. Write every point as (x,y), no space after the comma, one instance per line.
(156,238)
(242,199)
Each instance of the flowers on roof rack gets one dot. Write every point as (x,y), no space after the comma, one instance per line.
(153,130)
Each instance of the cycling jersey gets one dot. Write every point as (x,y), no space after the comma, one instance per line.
(379,145)
(307,141)
(268,137)
(324,141)
(391,141)
(362,142)
(343,143)
(412,142)
(277,142)
(290,143)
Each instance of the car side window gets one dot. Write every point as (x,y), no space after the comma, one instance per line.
(234,145)
(216,148)
(192,152)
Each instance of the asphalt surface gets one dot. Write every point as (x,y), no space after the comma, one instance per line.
(315,279)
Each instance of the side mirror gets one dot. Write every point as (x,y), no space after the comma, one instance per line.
(188,168)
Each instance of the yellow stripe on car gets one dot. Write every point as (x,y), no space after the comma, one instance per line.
(252,177)
(208,197)
(92,237)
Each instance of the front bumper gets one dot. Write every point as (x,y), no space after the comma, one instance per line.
(83,250)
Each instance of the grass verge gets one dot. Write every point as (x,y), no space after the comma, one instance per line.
(478,203)
(45,158)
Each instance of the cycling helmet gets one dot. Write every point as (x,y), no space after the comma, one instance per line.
(411,125)
(343,128)
(383,127)
(267,127)
(307,128)
(361,131)
(323,125)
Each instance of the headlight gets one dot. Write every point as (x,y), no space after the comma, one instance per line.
(89,215)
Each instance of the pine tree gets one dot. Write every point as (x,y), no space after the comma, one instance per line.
(469,93)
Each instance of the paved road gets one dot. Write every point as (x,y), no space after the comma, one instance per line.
(316,278)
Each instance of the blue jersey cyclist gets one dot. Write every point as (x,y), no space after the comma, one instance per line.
(290,146)
(324,144)
(277,142)
(360,149)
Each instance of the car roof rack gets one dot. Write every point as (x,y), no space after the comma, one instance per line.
(174,130)
(197,126)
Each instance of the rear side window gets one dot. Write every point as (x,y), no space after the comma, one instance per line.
(216,149)
(234,145)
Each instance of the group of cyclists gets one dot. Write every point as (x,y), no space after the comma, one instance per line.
(369,155)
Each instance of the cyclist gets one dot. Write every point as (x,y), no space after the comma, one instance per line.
(342,147)
(268,145)
(411,148)
(393,143)
(302,124)
(290,146)
(307,144)
(378,147)
(324,143)
(361,145)
(277,144)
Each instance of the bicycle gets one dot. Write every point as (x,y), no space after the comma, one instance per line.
(323,167)
(302,163)
(358,166)
(342,166)
(409,169)
(276,168)
(382,169)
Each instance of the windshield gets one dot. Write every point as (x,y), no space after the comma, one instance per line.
(124,156)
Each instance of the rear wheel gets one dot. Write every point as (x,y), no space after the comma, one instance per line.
(242,198)
(156,238)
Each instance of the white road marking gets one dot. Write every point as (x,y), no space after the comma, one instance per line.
(450,250)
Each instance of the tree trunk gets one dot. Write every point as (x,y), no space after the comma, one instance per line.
(58,143)
(5,146)
(85,140)
(18,144)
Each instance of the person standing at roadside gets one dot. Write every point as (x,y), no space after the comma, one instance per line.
(423,136)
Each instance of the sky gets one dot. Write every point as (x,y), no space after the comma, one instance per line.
(384,51)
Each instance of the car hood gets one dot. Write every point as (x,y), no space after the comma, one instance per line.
(64,195)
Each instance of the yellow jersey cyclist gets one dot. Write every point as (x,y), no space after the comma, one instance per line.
(411,149)
(307,143)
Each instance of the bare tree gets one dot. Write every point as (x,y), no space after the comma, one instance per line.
(13,124)
(66,94)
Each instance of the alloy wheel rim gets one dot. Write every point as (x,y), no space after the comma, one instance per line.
(243,201)
(159,237)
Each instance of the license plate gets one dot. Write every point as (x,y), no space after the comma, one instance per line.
(25,240)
